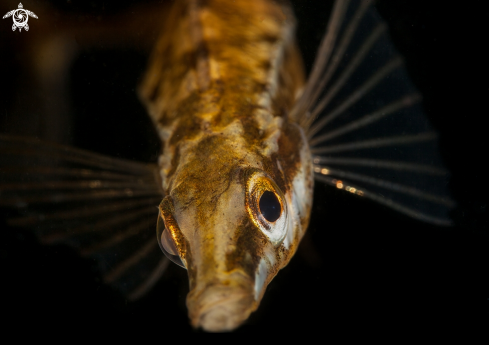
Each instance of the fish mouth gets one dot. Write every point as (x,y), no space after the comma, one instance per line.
(220,308)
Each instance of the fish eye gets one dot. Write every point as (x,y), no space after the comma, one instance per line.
(266,205)
(270,206)
(167,243)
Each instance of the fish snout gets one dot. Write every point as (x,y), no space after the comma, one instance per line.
(220,308)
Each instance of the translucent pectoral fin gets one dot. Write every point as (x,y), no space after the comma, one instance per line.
(104,207)
(364,121)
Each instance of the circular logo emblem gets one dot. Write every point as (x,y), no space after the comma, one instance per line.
(20,18)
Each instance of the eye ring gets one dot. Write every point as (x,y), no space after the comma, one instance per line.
(166,243)
(266,205)
(169,237)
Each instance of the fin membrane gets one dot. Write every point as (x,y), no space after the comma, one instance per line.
(364,121)
(107,208)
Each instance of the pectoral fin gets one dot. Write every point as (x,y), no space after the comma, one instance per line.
(104,207)
(365,123)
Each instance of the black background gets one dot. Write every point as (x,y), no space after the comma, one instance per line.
(371,268)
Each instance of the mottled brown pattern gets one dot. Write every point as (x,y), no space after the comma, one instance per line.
(218,87)
(241,39)
(290,75)
(288,154)
(249,249)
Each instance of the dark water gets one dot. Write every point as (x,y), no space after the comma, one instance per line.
(373,267)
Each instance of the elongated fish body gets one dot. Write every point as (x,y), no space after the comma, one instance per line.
(219,87)
(245,138)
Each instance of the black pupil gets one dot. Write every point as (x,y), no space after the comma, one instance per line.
(270,206)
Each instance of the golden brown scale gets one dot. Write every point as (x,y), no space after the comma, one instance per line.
(219,87)
(248,46)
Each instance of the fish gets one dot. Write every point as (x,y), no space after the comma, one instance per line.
(243,145)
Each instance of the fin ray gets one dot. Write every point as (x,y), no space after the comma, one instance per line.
(117,238)
(417,214)
(375,143)
(121,268)
(343,44)
(378,163)
(82,212)
(355,96)
(322,57)
(98,226)
(367,119)
(364,122)
(151,280)
(20,146)
(65,172)
(385,184)
(99,205)
(346,74)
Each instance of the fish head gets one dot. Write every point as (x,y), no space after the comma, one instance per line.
(234,219)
